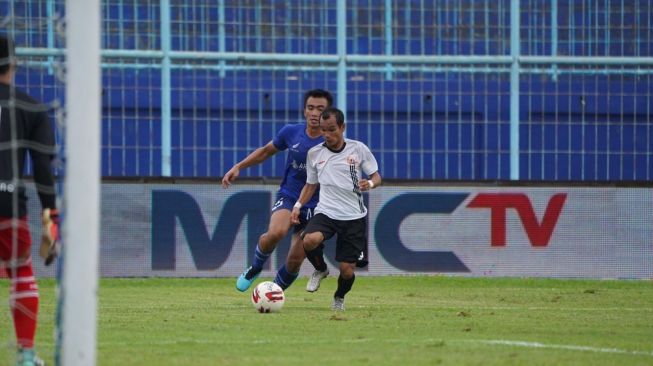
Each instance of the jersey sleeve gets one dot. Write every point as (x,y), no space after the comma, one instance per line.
(311,167)
(368,161)
(280,140)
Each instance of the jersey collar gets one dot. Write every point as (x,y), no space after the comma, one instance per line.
(335,151)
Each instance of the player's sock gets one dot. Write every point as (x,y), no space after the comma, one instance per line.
(284,278)
(24,303)
(260,258)
(344,285)
(316,257)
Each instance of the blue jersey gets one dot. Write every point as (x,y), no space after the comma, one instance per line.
(294,139)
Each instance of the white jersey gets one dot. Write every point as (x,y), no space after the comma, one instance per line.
(338,174)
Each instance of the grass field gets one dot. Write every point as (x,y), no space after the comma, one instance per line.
(388,321)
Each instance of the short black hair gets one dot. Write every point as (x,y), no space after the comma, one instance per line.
(318,93)
(333,111)
(7,53)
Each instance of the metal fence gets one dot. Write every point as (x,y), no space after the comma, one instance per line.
(456,90)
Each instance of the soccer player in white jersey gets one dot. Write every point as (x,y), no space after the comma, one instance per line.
(337,166)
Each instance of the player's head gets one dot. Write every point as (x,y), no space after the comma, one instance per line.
(332,125)
(7,55)
(315,101)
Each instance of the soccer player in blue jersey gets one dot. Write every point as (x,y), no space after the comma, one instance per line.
(297,139)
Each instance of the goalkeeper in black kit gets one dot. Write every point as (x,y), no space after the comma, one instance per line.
(24,127)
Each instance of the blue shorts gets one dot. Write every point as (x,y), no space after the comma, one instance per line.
(286,203)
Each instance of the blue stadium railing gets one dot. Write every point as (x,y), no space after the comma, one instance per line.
(576,109)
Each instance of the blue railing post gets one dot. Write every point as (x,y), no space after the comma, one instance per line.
(514,89)
(51,30)
(342,53)
(388,37)
(222,43)
(166,107)
(554,37)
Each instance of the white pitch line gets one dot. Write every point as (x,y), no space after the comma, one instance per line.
(559,346)
(501,342)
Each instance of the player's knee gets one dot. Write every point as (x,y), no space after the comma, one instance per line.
(312,240)
(347,270)
(274,235)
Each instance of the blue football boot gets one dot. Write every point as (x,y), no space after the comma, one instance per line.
(245,280)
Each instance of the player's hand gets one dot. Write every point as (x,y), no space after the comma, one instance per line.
(294,216)
(230,176)
(364,185)
(49,235)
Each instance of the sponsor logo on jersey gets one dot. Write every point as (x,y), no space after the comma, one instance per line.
(7,187)
(298,166)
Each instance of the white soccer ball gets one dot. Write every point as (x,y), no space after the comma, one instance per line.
(268,297)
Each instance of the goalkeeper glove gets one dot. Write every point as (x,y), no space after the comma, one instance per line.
(49,235)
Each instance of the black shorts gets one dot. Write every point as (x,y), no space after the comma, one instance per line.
(351,245)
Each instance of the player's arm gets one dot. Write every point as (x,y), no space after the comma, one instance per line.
(373,181)
(370,167)
(256,157)
(305,196)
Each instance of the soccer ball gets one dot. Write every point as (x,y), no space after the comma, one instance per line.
(268,297)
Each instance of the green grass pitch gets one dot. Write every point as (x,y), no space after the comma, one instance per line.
(403,320)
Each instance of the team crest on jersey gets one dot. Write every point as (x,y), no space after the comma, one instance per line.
(352,159)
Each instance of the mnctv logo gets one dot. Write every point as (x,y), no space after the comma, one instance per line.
(539,233)
(210,250)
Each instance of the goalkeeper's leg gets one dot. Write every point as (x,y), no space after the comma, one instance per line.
(24,302)
(15,243)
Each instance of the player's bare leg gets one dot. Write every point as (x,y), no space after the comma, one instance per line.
(296,254)
(277,230)
(287,274)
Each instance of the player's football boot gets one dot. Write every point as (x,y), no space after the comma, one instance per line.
(338,304)
(314,282)
(245,280)
(27,357)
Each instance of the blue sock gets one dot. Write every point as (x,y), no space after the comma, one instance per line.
(284,278)
(260,258)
